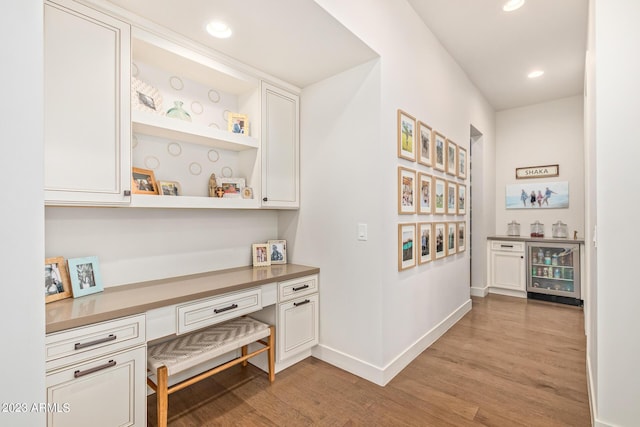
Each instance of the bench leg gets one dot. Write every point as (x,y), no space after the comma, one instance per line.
(244,353)
(162,396)
(271,354)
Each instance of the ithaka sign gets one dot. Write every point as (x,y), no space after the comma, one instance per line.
(538,171)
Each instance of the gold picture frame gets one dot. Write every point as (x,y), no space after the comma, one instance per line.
(452,158)
(425,148)
(439,151)
(406,246)
(238,123)
(406,136)
(406,190)
(143,181)
(57,284)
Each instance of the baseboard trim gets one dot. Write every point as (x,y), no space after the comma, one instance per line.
(479,292)
(382,375)
(592,401)
(508,292)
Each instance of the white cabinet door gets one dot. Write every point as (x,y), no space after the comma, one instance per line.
(104,392)
(87,128)
(280,146)
(298,326)
(507,270)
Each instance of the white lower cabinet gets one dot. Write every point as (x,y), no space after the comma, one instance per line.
(506,268)
(298,321)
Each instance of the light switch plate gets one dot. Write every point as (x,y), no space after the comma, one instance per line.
(362,232)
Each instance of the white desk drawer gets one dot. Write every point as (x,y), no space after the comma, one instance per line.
(88,342)
(507,246)
(295,288)
(210,311)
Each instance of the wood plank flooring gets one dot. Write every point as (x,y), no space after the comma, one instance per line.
(509,362)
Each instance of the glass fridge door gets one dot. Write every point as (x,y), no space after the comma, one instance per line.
(553,269)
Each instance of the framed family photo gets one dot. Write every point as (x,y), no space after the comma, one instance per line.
(406,136)
(406,246)
(143,181)
(541,195)
(462,236)
(260,254)
(169,188)
(439,191)
(238,123)
(452,159)
(462,199)
(278,250)
(452,238)
(462,163)
(232,187)
(425,190)
(56,280)
(406,191)
(439,147)
(85,276)
(439,230)
(425,149)
(425,230)
(452,198)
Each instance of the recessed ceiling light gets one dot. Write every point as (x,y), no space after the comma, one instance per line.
(512,5)
(535,74)
(219,29)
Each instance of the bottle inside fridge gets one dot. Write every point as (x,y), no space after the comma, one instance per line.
(553,272)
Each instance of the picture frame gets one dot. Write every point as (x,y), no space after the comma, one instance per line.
(278,251)
(260,254)
(406,246)
(452,158)
(425,149)
(232,187)
(462,236)
(425,233)
(439,194)
(238,123)
(169,188)
(145,97)
(462,199)
(452,238)
(56,280)
(439,147)
(462,163)
(247,193)
(452,198)
(539,195)
(425,192)
(439,230)
(406,190)
(85,276)
(143,181)
(406,136)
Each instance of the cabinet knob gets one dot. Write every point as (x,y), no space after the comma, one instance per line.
(127,192)
(264,199)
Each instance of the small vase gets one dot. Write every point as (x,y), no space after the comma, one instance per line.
(177,112)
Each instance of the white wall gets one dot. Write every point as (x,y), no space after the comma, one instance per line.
(21,229)
(542,134)
(617,152)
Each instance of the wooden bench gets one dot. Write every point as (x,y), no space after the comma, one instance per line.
(186,351)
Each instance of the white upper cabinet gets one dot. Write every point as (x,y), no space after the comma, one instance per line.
(87,127)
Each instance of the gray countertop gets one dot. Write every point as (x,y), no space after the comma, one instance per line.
(536,239)
(127,300)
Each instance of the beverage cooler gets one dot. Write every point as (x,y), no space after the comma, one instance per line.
(553,272)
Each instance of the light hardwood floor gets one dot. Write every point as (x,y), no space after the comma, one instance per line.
(509,362)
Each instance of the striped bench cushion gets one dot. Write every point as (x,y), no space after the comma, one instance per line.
(189,350)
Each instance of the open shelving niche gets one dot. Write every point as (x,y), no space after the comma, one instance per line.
(158,62)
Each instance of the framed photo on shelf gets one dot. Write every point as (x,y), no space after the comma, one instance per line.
(439,193)
(260,254)
(278,249)
(452,238)
(56,280)
(462,236)
(232,187)
(238,123)
(462,163)
(452,198)
(406,136)
(425,230)
(145,97)
(452,159)
(426,147)
(439,230)
(143,181)
(425,190)
(406,246)
(169,188)
(406,191)
(85,276)
(439,146)
(462,199)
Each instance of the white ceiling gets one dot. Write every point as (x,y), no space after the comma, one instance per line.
(497,49)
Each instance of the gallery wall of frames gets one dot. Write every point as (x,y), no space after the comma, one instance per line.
(432,193)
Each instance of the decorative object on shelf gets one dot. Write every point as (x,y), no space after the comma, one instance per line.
(559,230)
(195,168)
(513,228)
(452,198)
(406,246)
(452,160)
(406,136)
(151,162)
(278,251)
(538,171)
(406,191)
(56,280)
(143,181)
(232,187)
(575,234)
(425,230)
(452,238)
(174,148)
(219,192)
(462,236)
(537,229)
(425,149)
(238,123)
(214,96)
(196,107)
(227,172)
(462,163)
(261,254)
(169,188)
(439,196)
(145,97)
(85,276)
(176,83)
(439,141)
(213,185)
(213,155)
(439,232)
(425,184)
(177,112)
(462,199)
(542,195)
(247,193)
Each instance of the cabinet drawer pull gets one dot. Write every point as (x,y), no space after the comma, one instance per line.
(506,246)
(297,304)
(78,374)
(79,346)
(220,310)
(299,288)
